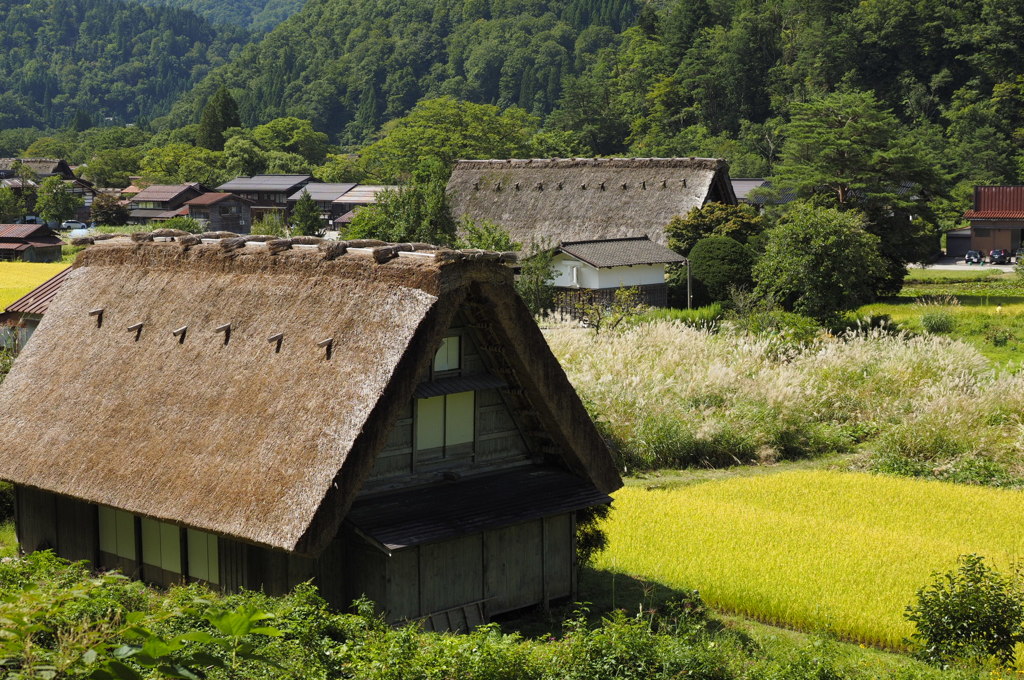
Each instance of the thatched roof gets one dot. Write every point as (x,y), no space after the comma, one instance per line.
(233,437)
(581,199)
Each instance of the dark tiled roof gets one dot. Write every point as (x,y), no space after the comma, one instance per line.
(265,183)
(620,252)
(428,514)
(163,192)
(320,191)
(39,298)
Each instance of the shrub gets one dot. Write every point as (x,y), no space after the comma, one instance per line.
(968,614)
(6,502)
(701,317)
(183,223)
(938,322)
(720,263)
(270,224)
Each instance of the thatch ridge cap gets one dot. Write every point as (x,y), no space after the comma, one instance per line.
(617,162)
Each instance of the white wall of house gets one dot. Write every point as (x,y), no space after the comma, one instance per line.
(586,276)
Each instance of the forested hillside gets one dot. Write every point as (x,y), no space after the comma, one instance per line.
(350,66)
(81,61)
(260,15)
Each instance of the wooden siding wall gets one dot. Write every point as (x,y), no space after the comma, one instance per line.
(508,568)
(45,520)
(497,439)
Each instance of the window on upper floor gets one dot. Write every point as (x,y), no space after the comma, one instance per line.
(445,422)
(448,357)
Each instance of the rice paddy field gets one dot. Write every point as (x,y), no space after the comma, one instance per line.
(18,278)
(811,549)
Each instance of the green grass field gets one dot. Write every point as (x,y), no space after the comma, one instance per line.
(18,278)
(813,549)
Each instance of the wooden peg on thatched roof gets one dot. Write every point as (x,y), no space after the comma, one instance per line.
(664,183)
(328,345)
(625,185)
(684,182)
(226,330)
(583,186)
(98,313)
(277,339)
(602,186)
(497,186)
(517,186)
(137,328)
(539,186)
(643,185)
(559,186)
(476,186)
(180,334)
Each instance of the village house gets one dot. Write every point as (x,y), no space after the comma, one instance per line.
(358,197)
(159,202)
(384,420)
(29,243)
(581,199)
(997,221)
(24,174)
(21,318)
(268,193)
(219,211)
(325,195)
(591,271)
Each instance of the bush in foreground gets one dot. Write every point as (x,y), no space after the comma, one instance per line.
(969,614)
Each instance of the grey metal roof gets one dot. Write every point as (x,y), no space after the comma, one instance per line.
(165,192)
(265,183)
(321,191)
(427,514)
(436,388)
(365,193)
(620,252)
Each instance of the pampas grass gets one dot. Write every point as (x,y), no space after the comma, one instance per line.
(669,395)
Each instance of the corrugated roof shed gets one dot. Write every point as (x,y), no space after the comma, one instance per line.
(620,252)
(320,191)
(38,299)
(26,232)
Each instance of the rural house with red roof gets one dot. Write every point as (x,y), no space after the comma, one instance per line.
(29,243)
(997,218)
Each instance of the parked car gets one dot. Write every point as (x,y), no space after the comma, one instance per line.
(999,256)
(73,224)
(974,257)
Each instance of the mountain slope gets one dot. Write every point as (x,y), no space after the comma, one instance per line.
(351,65)
(259,15)
(103,58)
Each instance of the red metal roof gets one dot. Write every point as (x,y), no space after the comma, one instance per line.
(38,299)
(208,198)
(994,215)
(23,230)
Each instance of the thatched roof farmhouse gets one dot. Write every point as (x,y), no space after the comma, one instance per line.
(382,419)
(583,199)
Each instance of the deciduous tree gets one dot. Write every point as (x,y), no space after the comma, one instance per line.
(55,202)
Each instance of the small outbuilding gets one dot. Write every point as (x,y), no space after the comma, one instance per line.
(997,218)
(29,243)
(21,318)
(382,419)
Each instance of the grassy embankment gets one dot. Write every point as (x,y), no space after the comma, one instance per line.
(985,308)
(811,550)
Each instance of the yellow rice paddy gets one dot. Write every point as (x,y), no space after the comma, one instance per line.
(812,549)
(18,278)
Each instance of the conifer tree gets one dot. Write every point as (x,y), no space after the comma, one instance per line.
(305,219)
(219,114)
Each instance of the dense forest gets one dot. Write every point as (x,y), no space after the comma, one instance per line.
(350,66)
(81,62)
(259,15)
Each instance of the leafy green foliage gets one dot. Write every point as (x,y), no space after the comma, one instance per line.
(305,217)
(107,209)
(219,114)
(444,130)
(55,202)
(486,235)
(417,212)
(818,262)
(260,15)
(270,224)
(12,207)
(718,265)
(738,222)
(970,613)
(184,223)
(536,276)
